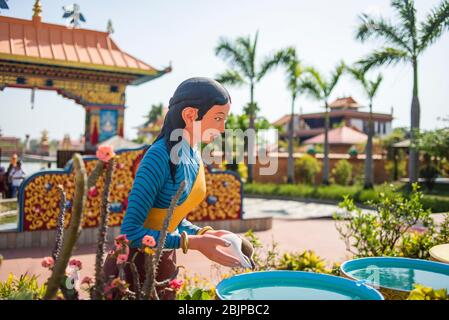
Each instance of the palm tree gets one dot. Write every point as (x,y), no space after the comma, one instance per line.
(295,73)
(404,41)
(154,113)
(241,57)
(370,87)
(320,88)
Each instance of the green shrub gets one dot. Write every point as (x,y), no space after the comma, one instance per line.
(305,261)
(391,229)
(342,172)
(336,192)
(25,287)
(196,294)
(307,167)
(436,203)
(401,167)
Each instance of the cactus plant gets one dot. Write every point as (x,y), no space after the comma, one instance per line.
(152,261)
(95,174)
(60,225)
(73,230)
(98,291)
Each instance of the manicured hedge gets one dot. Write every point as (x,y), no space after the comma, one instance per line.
(335,193)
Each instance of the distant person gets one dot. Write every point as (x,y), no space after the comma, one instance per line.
(17,176)
(12,164)
(3,182)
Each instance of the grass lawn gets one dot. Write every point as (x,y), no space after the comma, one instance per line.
(8,219)
(8,205)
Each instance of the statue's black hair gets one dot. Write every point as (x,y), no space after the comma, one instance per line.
(200,93)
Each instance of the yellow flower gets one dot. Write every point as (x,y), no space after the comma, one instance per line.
(149,250)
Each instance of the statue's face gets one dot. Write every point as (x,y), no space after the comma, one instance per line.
(210,126)
(213,122)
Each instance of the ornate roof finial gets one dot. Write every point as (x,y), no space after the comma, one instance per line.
(73,13)
(3,4)
(37,9)
(110,27)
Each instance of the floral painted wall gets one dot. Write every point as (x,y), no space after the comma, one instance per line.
(39,197)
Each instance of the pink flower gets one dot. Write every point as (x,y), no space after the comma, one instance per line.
(48,262)
(75,263)
(87,280)
(105,153)
(120,238)
(148,241)
(93,192)
(122,258)
(175,284)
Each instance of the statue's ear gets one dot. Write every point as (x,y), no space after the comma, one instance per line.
(189,115)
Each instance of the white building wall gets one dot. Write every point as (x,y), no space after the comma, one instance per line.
(357,123)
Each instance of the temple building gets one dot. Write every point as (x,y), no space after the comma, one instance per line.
(341,139)
(84,65)
(343,111)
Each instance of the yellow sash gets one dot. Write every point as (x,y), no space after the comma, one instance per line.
(155,217)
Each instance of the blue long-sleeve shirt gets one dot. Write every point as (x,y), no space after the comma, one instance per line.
(154,187)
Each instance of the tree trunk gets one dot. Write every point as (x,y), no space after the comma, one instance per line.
(413,163)
(291,165)
(326,147)
(250,148)
(369,151)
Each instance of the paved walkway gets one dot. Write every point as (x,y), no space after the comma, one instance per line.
(288,209)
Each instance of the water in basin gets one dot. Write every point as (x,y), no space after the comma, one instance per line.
(271,290)
(401,278)
(292,285)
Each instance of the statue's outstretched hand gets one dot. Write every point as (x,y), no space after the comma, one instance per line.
(209,245)
(218,233)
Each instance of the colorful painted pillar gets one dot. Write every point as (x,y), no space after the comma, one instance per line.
(102,123)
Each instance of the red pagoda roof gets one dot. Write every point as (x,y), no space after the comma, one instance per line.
(33,41)
(343,135)
(345,103)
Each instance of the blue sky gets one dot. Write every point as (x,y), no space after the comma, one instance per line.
(186,33)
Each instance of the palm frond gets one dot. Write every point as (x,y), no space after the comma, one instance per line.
(317,77)
(434,25)
(335,76)
(389,56)
(233,55)
(359,75)
(250,52)
(231,77)
(294,73)
(407,14)
(310,87)
(374,86)
(253,52)
(270,62)
(379,28)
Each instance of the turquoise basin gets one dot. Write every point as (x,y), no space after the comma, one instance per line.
(397,273)
(293,285)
